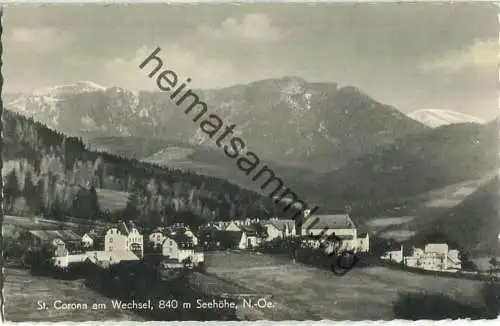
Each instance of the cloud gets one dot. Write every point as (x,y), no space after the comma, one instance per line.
(481,54)
(36,40)
(255,27)
(204,72)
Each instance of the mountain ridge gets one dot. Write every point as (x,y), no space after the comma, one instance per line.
(312,124)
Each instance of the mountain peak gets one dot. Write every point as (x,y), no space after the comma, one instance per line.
(436,117)
(76,87)
(280,81)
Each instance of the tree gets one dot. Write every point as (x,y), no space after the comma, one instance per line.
(40,205)
(467,263)
(11,189)
(56,211)
(29,192)
(131,212)
(93,203)
(494,263)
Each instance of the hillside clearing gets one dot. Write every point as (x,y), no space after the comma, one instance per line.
(112,200)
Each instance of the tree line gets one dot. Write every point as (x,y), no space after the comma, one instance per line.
(48,173)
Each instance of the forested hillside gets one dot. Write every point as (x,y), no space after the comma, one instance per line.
(50,174)
(413,165)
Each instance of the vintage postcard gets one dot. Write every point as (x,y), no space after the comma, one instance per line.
(265,161)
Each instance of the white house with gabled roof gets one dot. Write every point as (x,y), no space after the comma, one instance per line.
(337,230)
(124,238)
(279,228)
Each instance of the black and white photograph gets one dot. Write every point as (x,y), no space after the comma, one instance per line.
(250,162)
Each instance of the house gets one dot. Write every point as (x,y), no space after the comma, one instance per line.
(87,240)
(233,239)
(434,257)
(233,226)
(180,247)
(192,236)
(99,258)
(340,224)
(93,239)
(417,254)
(219,225)
(124,238)
(313,241)
(254,234)
(335,230)
(276,228)
(60,242)
(213,239)
(394,256)
(454,260)
(363,242)
(157,237)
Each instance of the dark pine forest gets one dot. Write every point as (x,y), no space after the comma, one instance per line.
(49,174)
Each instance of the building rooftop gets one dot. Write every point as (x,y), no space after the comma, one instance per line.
(49,235)
(440,248)
(224,237)
(97,256)
(253,229)
(182,240)
(333,221)
(280,224)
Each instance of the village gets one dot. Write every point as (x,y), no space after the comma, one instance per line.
(178,246)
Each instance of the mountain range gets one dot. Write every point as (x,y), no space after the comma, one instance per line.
(303,130)
(287,121)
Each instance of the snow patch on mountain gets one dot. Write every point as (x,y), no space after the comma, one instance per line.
(296,96)
(434,117)
(88,122)
(77,87)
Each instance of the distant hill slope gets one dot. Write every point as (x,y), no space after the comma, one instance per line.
(285,120)
(194,158)
(435,118)
(414,164)
(474,224)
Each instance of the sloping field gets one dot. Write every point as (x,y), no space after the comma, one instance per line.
(22,292)
(12,225)
(128,146)
(28,222)
(111,199)
(385,222)
(426,209)
(37,222)
(168,155)
(301,292)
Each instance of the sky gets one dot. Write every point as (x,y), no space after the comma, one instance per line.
(411,56)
